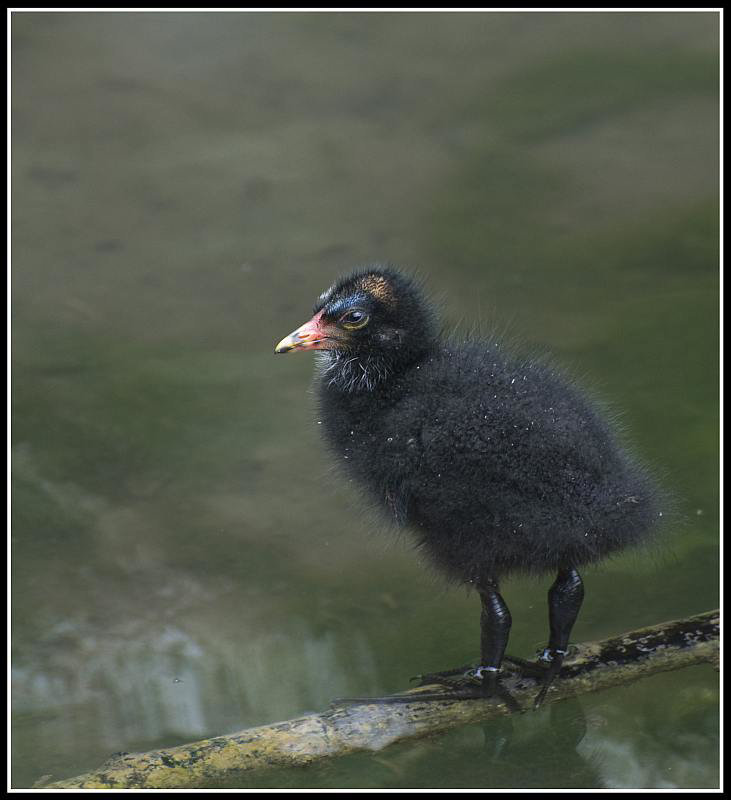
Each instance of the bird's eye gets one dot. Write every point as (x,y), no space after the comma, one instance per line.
(354,319)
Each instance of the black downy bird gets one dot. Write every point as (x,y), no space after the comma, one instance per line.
(497,465)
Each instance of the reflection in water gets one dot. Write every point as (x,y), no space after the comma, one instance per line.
(146,679)
(555,740)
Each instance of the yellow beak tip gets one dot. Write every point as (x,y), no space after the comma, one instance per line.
(285,345)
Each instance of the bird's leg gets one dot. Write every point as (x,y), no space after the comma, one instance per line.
(466,683)
(482,680)
(564,601)
(495,622)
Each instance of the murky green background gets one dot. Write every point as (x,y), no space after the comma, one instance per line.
(186,560)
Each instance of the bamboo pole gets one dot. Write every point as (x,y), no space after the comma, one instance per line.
(368,726)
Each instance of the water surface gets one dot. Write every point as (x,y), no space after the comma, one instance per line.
(186,560)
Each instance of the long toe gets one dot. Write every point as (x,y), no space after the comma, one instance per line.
(445,678)
(531,669)
(465,683)
(550,675)
(449,694)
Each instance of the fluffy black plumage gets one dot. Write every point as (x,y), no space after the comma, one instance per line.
(497,464)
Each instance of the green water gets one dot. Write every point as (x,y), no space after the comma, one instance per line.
(186,561)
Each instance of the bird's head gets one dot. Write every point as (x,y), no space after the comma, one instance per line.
(376,319)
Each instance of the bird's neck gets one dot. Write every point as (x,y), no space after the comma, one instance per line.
(353,373)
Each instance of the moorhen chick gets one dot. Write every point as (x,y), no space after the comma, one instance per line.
(497,464)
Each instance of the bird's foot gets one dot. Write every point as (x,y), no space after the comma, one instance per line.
(485,683)
(553,660)
(468,682)
(463,683)
(465,677)
(545,669)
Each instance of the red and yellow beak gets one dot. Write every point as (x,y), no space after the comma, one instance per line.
(313,335)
